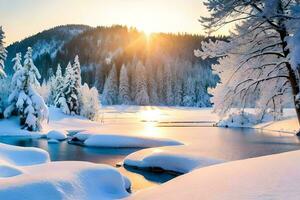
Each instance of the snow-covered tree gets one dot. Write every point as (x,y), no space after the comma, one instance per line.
(57,85)
(168,92)
(24,100)
(77,71)
(3,52)
(124,92)
(69,99)
(154,100)
(89,101)
(263,49)
(110,91)
(189,97)
(142,97)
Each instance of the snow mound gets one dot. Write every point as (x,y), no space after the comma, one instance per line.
(9,171)
(57,135)
(22,156)
(26,173)
(268,177)
(122,141)
(65,180)
(167,160)
(53,141)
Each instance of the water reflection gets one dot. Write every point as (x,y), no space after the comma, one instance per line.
(222,143)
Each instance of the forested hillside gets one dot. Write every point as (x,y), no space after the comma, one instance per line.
(160,69)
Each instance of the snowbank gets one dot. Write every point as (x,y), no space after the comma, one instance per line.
(169,160)
(26,173)
(122,141)
(288,123)
(11,127)
(65,180)
(12,158)
(268,177)
(22,156)
(57,135)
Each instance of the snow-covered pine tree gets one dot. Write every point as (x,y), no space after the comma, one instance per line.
(142,97)
(160,84)
(124,92)
(178,93)
(68,101)
(77,71)
(189,97)
(57,86)
(263,47)
(3,52)
(167,83)
(89,101)
(24,100)
(152,83)
(110,91)
(17,62)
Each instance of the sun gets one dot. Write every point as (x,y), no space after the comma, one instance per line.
(148,32)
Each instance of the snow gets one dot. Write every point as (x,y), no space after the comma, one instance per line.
(22,156)
(268,177)
(174,160)
(121,141)
(53,141)
(57,135)
(65,180)
(22,176)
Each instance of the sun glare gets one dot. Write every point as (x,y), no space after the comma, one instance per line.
(151,115)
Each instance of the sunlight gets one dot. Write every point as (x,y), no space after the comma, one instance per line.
(151,115)
(151,130)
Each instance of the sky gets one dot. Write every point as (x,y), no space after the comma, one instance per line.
(22,18)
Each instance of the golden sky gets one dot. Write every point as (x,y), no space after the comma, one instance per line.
(22,18)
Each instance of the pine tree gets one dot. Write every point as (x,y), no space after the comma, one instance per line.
(142,97)
(110,91)
(168,93)
(189,97)
(77,71)
(124,92)
(57,85)
(160,84)
(68,102)
(153,91)
(3,52)
(24,100)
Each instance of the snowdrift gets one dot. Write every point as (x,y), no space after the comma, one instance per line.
(122,141)
(27,173)
(168,160)
(268,177)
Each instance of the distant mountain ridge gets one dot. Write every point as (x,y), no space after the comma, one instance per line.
(165,56)
(45,43)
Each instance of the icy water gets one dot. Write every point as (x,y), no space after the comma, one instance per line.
(222,143)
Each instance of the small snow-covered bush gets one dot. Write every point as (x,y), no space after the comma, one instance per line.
(89,102)
(239,119)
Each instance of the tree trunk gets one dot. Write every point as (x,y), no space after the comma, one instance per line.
(291,72)
(293,81)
